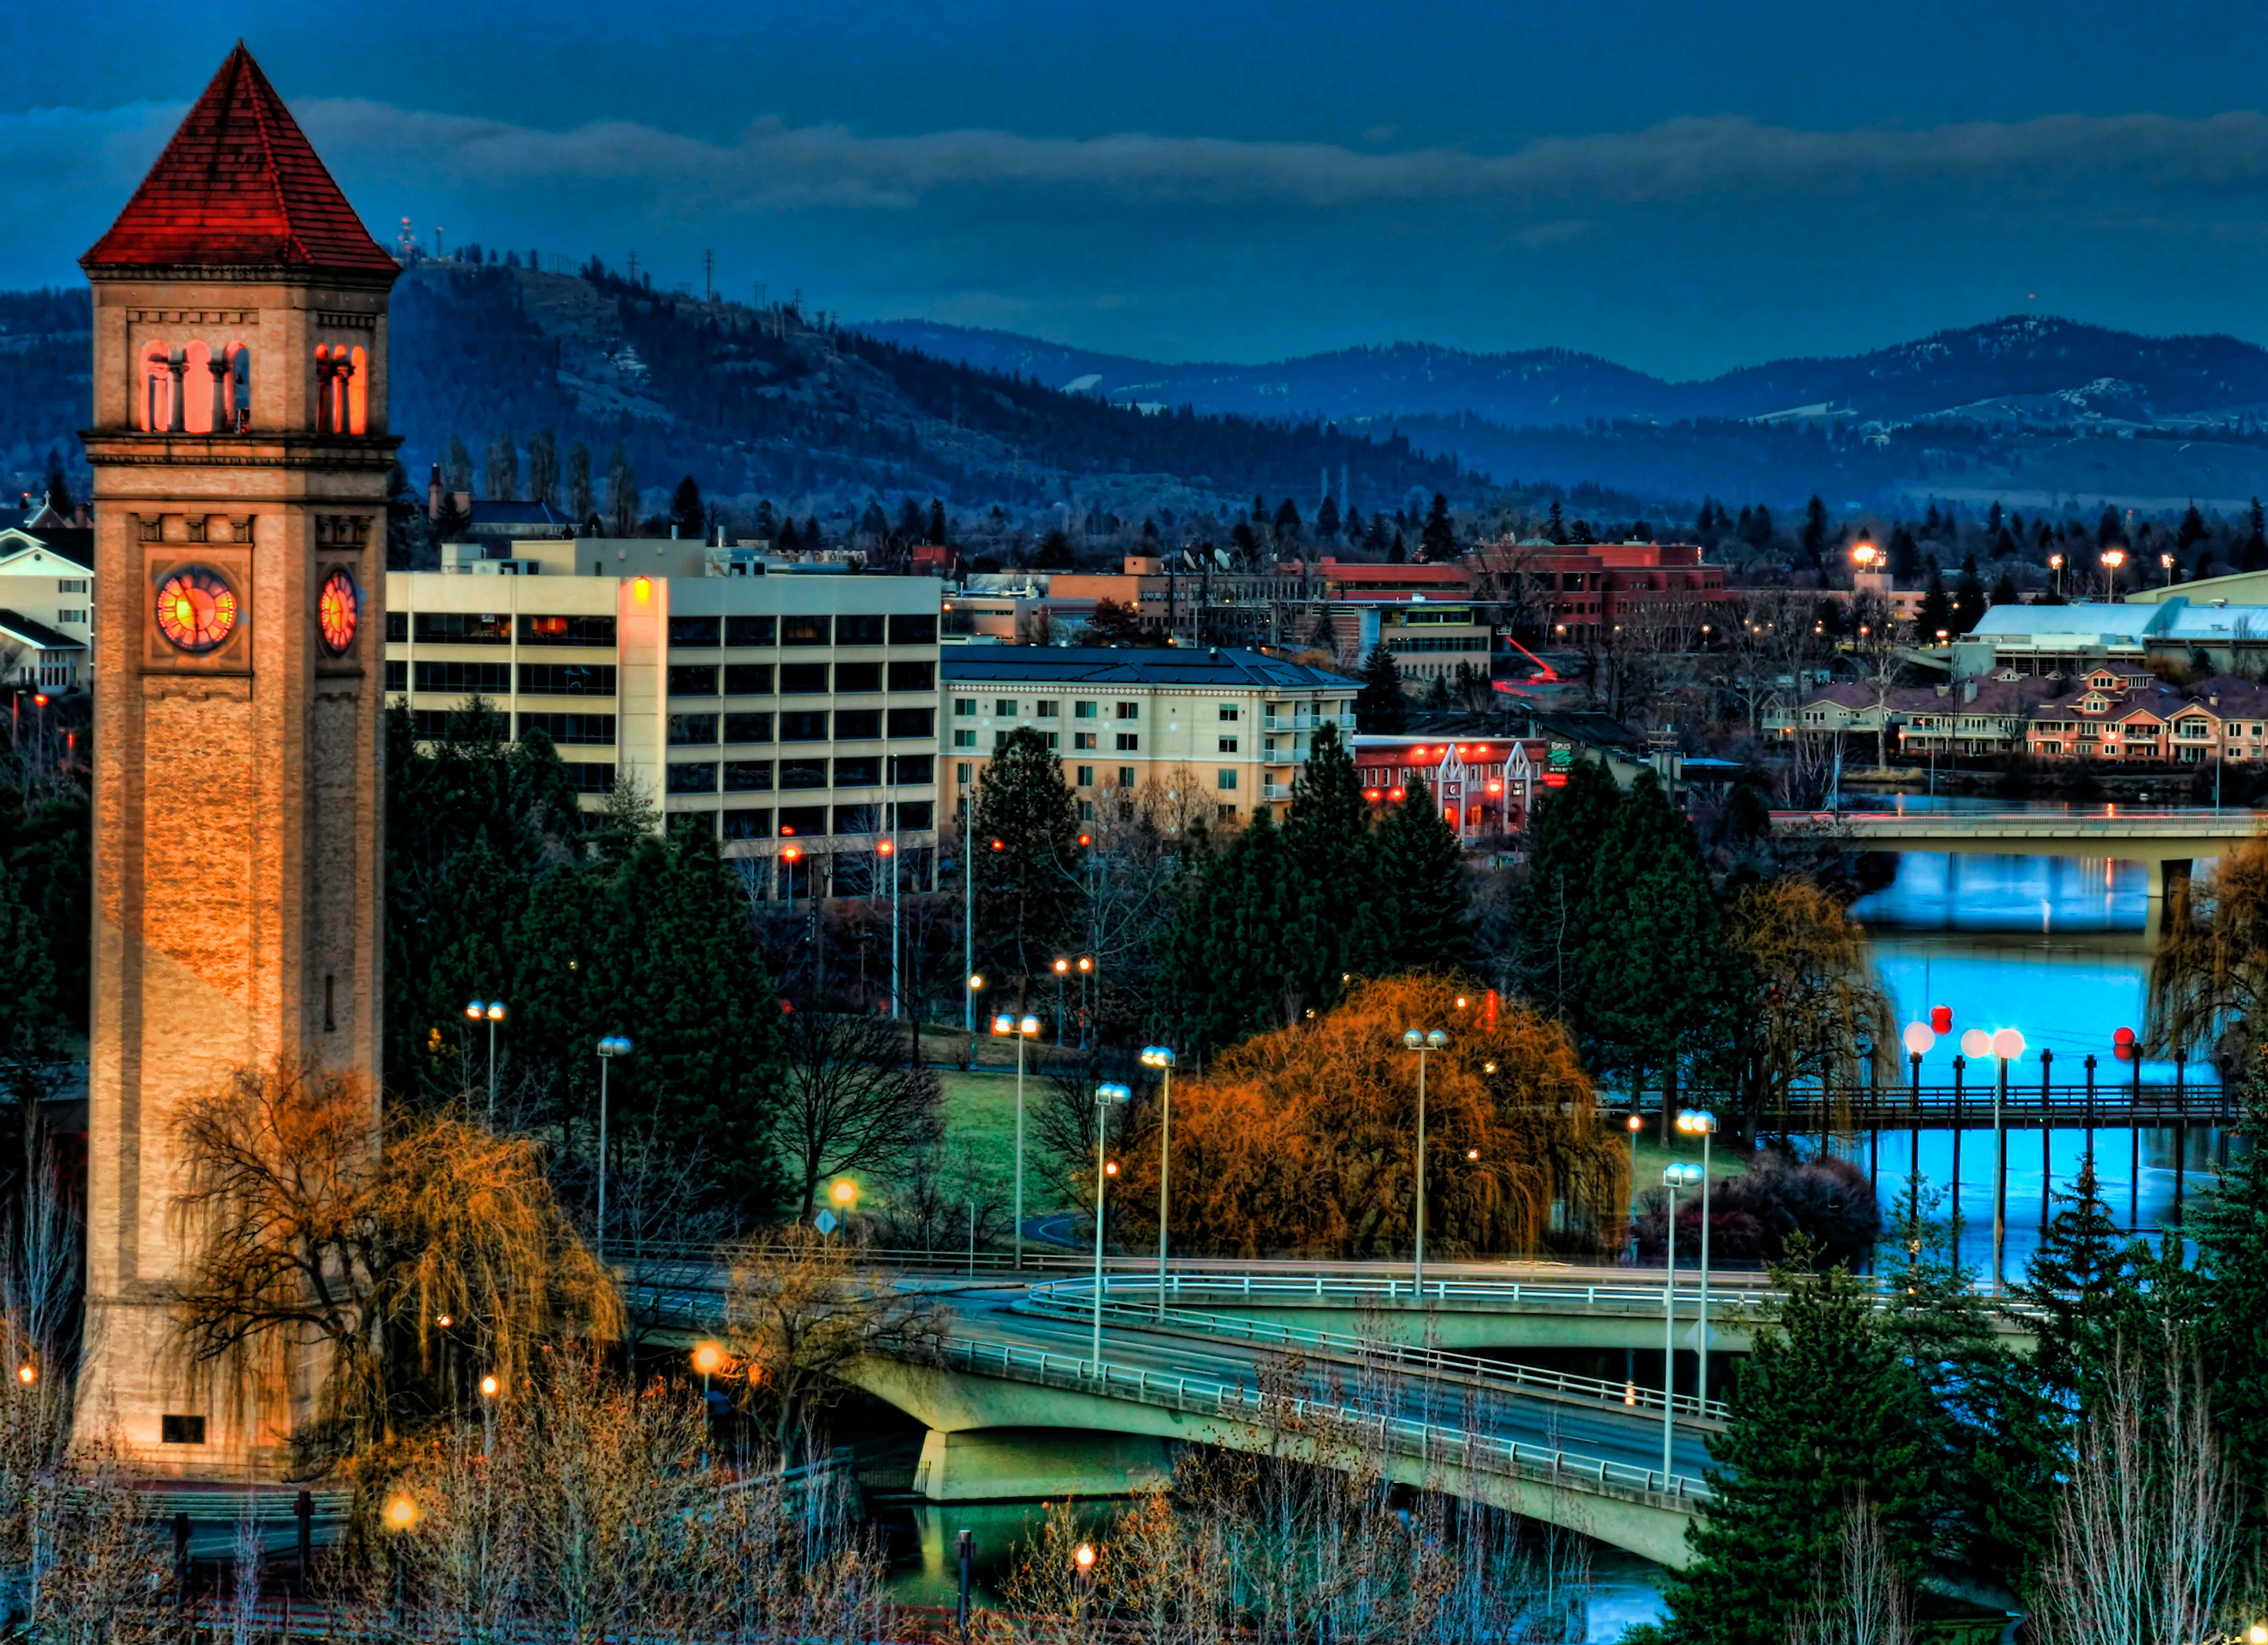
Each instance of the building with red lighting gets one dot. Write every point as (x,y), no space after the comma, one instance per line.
(1481,786)
(1572,592)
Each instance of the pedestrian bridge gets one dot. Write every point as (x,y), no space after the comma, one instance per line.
(2171,839)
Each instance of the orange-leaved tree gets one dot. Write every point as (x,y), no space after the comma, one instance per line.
(1304,1141)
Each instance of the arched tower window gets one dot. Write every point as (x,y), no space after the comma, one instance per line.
(357,393)
(200,390)
(239,388)
(154,399)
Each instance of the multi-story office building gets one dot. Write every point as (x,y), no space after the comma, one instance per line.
(793,711)
(1232,726)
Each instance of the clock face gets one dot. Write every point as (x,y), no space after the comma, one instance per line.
(339,611)
(196,611)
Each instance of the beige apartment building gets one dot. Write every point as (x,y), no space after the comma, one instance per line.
(793,711)
(1233,726)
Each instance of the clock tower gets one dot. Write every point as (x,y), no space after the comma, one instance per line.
(240,457)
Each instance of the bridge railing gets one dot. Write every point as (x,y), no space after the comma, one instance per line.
(2155,1101)
(1373,1351)
(1432,1444)
(1729,1292)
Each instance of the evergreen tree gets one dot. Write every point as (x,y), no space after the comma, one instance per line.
(1555,524)
(1380,706)
(1326,518)
(2004,592)
(1437,542)
(1242,944)
(2226,1301)
(1054,553)
(1423,910)
(1968,600)
(1905,555)
(2192,530)
(30,1024)
(1326,832)
(582,500)
(407,528)
(1437,695)
(1936,615)
(502,476)
(1653,964)
(1288,519)
(1024,827)
(686,516)
(457,467)
(1397,555)
(937,527)
(2255,552)
(1826,1416)
(543,468)
(622,506)
(1565,836)
(1814,530)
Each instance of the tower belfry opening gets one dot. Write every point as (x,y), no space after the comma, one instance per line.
(240,455)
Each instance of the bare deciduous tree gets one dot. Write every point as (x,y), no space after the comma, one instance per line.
(852,1099)
(1865,1601)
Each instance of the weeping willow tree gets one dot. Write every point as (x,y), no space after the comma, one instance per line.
(404,1261)
(2210,975)
(1304,1140)
(1808,1004)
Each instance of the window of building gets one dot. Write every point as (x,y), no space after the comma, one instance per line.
(859,771)
(751,630)
(857,818)
(567,679)
(1044,708)
(1005,709)
(803,773)
(70,613)
(856,724)
(1052,738)
(912,628)
(800,821)
(397,627)
(462,627)
(1227,813)
(747,777)
(961,773)
(1125,776)
(913,814)
(692,779)
(1085,777)
(1083,711)
(802,679)
(1130,710)
(913,722)
(180,1430)
(807,630)
(70,585)
(1129,742)
(693,680)
(1086,810)
(1228,712)
(748,728)
(913,676)
(748,679)
(493,679)
(913,767)
(1082,739)
(803,725)
(860,629)
(752,822)
(964,707)
(1224,779)
(579,731)
(589,776)
(1228,745)
(566,630)
(857,676)
(397,676)
(687,730)
(964,739)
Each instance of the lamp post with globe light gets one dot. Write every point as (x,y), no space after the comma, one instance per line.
(1424,1045)
(2112,559)
(1636,1124)
(610,1047)
(1107,1096)
(1161,1058)
(1701,1123)
(491,1012)
(2004,1046)
(1672,1178)
(1919,1038)
(1022,1028)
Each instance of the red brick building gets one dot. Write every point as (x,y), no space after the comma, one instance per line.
(1572,592)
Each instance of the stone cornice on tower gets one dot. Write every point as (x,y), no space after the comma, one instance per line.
(240,194)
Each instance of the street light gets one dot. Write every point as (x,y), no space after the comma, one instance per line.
(1063,970)
(1107,1096)
(491,1011)
(1023,1029)
(2112,559)
(1701,1123)
(2166,564)
(1865,553)
(845,1195)
(1424,1044)
(975,988)
(610,1047)
(1636,1124)
(1161,1058)
(2004,1046)
(1672,1178)
(2055,564)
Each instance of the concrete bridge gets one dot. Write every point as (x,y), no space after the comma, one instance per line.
(1016,1405)
(2172,840)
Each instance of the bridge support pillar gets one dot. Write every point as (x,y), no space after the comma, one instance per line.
(995,1463)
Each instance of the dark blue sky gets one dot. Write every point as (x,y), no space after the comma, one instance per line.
(1682,188)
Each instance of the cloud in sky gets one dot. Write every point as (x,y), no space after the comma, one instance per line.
(961,221)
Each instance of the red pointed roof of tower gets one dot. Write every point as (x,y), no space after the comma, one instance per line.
(239,185)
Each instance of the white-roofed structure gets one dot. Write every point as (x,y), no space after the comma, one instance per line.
(2071,640)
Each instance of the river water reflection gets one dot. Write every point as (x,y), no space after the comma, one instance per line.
(2058,948)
